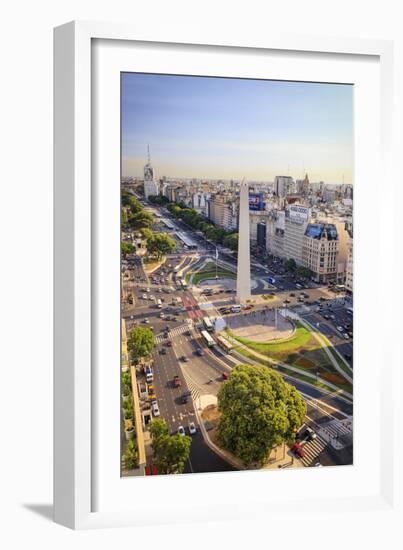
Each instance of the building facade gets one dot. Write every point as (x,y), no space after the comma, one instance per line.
(297,218)
(320,249)
(223,211)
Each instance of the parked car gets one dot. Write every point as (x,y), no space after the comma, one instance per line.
(298,450)
(192,428)
(181,430)
(184,398)
(155,409)
(199,352)
(225,375)
(177,381)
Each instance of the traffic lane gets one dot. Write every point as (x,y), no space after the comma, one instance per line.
(327,398)
(202,459)
(203,372)
(173,410)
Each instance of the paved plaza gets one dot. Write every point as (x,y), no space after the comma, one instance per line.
(260,326)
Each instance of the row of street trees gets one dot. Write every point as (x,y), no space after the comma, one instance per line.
(135,218)
(198,222)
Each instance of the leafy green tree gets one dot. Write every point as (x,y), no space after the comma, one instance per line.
(161,200)
(140,343)
(126,248)
(231,241)
(146,233)
(130,456)
(304,272)
(259,410)
(170,451)
(140,220)
(291,264)
(160,244)
(131,202)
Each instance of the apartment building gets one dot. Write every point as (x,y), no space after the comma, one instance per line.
(320,249)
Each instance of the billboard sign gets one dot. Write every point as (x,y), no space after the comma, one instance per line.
(299,214)
(256,201)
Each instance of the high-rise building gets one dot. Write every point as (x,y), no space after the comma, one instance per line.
(296,220)
(321,243)
(223,211)
(283,185)
(275,233)
(243,269)
(151,187)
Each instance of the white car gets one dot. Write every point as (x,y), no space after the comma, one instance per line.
(192,428)
(148,290)
(147,321)
(181,430)
(340,329)
(144,296)
(346,336)
(156,411)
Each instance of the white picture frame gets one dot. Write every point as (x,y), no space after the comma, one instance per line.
(77,209)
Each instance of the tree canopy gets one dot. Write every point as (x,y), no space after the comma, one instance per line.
(231,241)
(139,220)
(259,410)
(131,202)
(140,342)
(126,248)
(170,451)
(291,264)
(304,272)
(159,244)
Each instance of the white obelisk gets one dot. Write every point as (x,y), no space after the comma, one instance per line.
(243,271)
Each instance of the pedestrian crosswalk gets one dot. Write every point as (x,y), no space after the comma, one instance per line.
(195,389)
(312,450)
(338,433)
(177,331)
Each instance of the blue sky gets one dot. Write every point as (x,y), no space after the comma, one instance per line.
(233,128)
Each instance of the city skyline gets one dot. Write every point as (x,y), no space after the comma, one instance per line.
(231,128)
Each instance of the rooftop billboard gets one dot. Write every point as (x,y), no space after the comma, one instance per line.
(256,201)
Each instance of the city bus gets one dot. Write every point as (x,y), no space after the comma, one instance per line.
(224,344)
(207,338)
(208,325)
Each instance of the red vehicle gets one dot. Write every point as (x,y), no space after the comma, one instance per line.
(177,382)
(225,375)
(298,450)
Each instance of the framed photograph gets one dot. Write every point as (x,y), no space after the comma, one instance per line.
(212,335)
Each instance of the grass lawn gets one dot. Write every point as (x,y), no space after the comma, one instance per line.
(300,350)
(209,272)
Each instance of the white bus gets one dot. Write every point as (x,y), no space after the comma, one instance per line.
(207,338)
(224,344)
(208,325)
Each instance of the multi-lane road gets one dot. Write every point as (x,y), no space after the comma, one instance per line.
(203,375)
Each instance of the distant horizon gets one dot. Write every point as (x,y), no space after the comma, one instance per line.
(214,128)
